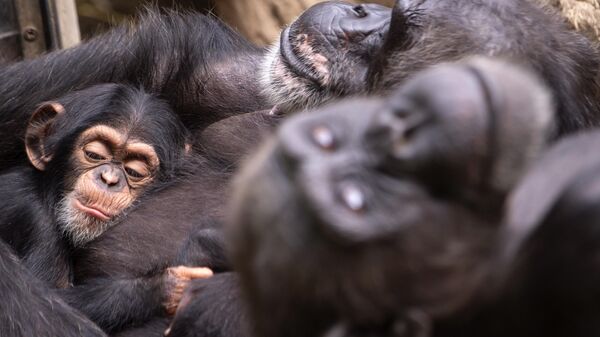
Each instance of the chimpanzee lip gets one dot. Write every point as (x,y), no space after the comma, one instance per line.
(292,61)
(91,211)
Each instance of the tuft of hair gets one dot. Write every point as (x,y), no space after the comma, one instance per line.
(285,90)
(71,224)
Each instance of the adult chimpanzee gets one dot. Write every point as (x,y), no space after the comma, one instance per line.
(93,153)
(29,308)
(380,213)
(310,64)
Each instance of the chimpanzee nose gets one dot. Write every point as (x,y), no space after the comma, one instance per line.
(336,19)
(110,178)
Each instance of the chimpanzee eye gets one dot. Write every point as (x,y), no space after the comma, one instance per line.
(137,169)
(133,173)
(93,156)
(360,11)
(97,151)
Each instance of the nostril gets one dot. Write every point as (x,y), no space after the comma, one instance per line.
(359,11)
(352,196)
(324,137)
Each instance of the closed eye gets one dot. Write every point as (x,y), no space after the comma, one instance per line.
(133,173)
(94,156)
(137,169)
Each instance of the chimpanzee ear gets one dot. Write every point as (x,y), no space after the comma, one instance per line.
(38,129)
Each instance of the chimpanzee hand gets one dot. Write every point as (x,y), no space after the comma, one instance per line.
(210,307)
(176,280)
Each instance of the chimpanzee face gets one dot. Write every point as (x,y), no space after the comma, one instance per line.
(100,151)
(325,53)
(112,169)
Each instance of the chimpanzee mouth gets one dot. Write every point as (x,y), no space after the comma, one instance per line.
(293,62)
(91,211)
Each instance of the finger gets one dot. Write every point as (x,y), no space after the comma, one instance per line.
(195,273)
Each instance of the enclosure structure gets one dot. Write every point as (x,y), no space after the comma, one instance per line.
(30,27)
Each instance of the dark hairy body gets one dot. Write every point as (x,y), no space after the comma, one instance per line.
(517,31)
(51,317)
(546,269)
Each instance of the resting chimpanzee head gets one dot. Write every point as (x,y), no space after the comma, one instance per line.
(368,209)
(336,49)
(98,149)
(325,52)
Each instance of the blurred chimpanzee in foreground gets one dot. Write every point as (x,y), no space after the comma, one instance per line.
(383,212)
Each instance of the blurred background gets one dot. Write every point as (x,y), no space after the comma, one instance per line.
(31,27)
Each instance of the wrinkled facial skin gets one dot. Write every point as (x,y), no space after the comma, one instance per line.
(111,170)
(372,200)
(324,54)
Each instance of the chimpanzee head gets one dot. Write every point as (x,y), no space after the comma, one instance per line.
(370,208)
(336,49)
(324,53)
(97,150)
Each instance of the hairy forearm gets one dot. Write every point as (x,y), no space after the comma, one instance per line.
(116,303)
(29,308)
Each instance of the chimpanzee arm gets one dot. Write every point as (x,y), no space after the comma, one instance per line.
(116,303)
(30,309)
(202,67)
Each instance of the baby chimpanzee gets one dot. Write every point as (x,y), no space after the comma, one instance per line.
(93,153)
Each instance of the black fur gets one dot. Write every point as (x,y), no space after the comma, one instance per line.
(545,272)
(30,308)
(423,33)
